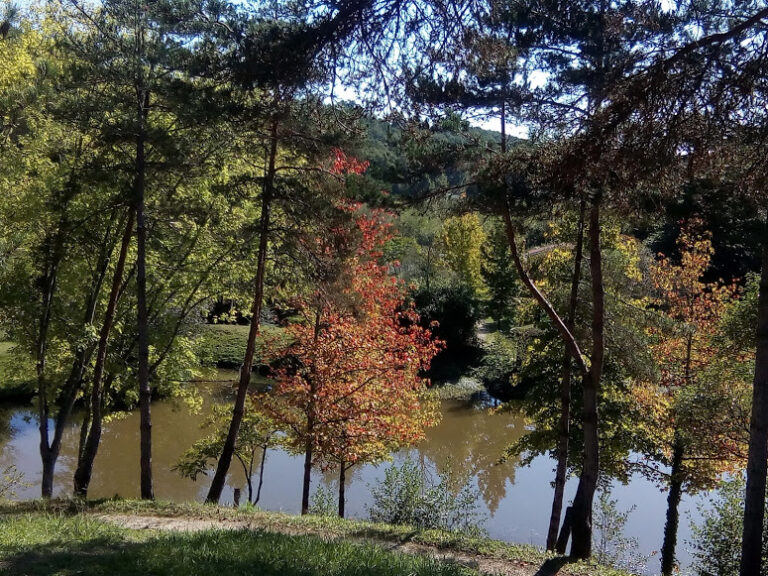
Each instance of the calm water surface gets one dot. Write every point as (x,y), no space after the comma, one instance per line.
(471,438)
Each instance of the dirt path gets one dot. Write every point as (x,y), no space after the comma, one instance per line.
(483,564)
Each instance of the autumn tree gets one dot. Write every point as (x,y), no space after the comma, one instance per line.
(351,388)
(463,238)
(687,412)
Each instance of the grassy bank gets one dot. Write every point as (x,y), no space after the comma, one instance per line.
(44,544)
(223,345)
(68,538)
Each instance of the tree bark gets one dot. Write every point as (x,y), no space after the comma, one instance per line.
(564,432)
(87,456)
(53,246)
(145,391)
(581,545)
(568,338)
(342,484)
(261,474)
(307,478)
(222,467)
(673,510)
(757,458)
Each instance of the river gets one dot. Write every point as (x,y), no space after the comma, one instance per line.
(471,438)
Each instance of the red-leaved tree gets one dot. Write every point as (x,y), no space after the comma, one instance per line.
(350,386)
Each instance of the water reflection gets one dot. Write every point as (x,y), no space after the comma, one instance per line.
(470,439)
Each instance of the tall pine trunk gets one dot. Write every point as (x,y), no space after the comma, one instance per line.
(228,450)
(581,545)
(673,509)
(90,448)
(754,503)
(564,431)
(145,391)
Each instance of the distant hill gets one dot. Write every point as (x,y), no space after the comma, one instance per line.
(410,162)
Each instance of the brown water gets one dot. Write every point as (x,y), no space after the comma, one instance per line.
(470,439)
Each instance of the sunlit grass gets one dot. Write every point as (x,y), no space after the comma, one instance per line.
(55,543)
(329,529)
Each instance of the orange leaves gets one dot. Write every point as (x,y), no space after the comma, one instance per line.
(343,164)
(353,389)
(688,405)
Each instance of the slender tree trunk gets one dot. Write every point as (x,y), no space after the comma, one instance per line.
(757,459)
(145,391)
(564,432)
(342,484)
(307,478)
(90,447)
(48,289)
(568,338)
(581,545)
(673,509)
(220,476)
(261,474)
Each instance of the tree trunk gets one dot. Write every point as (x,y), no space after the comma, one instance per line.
(307,478)
(342,483)
(565,532)
(145,391)
(261,474)
(754,502)
(565,393)
(48,283)
(673,512)
(91,444)
(219,478)
(568,338)
(581,546)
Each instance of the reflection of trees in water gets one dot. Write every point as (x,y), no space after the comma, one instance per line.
(5,425)
(472,441)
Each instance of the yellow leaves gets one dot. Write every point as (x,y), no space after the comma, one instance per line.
(463,236)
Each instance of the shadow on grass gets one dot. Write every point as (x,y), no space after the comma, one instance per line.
(216,553)
(553,566)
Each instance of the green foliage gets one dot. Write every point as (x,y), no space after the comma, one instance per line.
(716,539)
(456,312)
(498,367)
(257,434)
(463,238)
(408,496)
(323,503)
(500,276)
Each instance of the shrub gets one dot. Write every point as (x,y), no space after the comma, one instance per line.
(323,503)
(612,548)
(716,544)
(10,480)
(406,496)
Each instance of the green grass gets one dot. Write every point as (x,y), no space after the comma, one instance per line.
(223,345)
(327,527)
(43,543)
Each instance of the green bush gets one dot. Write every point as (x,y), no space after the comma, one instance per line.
(716,544)
(406,496)
(456,312)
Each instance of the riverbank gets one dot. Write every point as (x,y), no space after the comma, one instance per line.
(128,537)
